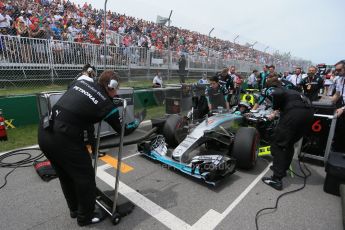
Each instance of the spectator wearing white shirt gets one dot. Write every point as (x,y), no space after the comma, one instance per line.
(157,81)
(98,31)
(25,19)
(297,77)
(251,82)
(72,30)
(3,20)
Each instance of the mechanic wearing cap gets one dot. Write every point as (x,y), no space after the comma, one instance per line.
(216,94)
(339,99)
(88,74)
(295,115)
(61,140)
(312,84)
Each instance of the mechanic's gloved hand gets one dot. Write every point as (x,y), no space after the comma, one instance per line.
(271,117)
(140,116)
(117,101)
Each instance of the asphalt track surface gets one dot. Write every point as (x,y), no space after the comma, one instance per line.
(167,199)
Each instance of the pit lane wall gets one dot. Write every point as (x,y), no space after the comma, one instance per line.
(22,110)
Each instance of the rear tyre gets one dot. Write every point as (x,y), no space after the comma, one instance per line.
(174,130)
(245,147)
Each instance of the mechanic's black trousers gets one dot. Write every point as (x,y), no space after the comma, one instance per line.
(291,127)
(69,157)
(339,134)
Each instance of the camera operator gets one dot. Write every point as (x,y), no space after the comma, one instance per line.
(339,99)
(88,73)
(295,115)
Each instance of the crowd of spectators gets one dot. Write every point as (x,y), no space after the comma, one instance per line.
(67,21)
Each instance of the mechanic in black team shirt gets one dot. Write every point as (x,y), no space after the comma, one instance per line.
(61,140)
(312,84)
(339,99)
(216,94)
(295,115)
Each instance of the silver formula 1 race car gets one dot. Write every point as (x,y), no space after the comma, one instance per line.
(209,149)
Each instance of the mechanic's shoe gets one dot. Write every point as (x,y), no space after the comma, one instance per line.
(98,216)
(100,154)
(274,182)
(73,214)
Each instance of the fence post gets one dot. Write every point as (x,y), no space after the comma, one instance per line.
(51,59)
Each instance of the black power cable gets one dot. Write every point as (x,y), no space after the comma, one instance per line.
(304,176)
(26,162)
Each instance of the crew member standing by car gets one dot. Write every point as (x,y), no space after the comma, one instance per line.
(262,77)
(226,81)
(297,77)
(237,82)
(157,81)
(295,115)
(339,99)
(312,84)
(61,140)
(251,81)
(182,68)
(216,95)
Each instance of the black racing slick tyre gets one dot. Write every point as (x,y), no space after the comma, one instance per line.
(245,147)
(174,130)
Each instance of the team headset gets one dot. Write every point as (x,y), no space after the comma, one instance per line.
(113,84)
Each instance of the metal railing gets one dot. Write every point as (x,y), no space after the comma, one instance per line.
(30,59)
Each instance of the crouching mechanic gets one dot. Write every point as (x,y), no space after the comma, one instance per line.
(296,115)
(61,140)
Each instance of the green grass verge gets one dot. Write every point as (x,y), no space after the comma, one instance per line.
(27,135)
(20,137)
(142,84)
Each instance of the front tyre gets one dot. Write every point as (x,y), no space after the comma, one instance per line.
(245,147)
(174,130)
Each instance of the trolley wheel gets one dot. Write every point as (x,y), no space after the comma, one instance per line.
(116,218)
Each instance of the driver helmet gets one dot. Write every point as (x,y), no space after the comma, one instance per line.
(244,107)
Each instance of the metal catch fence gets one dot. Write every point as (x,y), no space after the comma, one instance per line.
(31,62)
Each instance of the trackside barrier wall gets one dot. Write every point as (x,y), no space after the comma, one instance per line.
(23,109)
(19,110)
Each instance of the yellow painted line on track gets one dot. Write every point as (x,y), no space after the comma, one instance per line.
(125,168)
